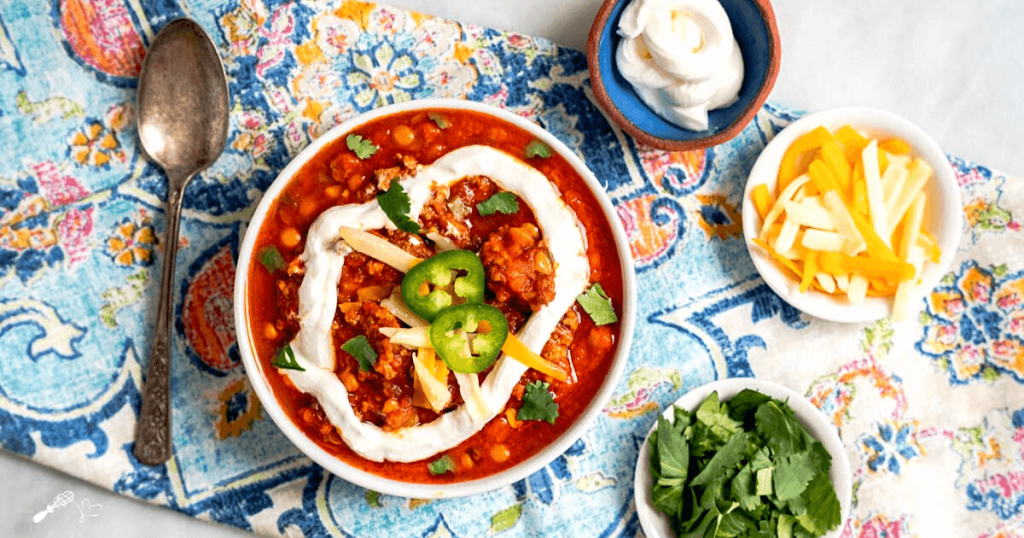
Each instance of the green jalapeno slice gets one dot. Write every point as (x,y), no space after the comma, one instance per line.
(468,337)
(447,279)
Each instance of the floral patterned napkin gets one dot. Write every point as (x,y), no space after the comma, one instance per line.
(931,411)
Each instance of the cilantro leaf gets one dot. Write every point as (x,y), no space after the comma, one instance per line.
(373,498)
(673,453)
(781,431)
(733,523)
(396,205)
(536,148)
(538,403)
(363,148)
(444,464)
(823,511)
(285,358)
(668,499)
(743,405)
(502,202)
(359,347)
(271,258)
(716,417)
(761,460)
(597,305)
(440,119)
(792,474)
(742,489)
(727,458)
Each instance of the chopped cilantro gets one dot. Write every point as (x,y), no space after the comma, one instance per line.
(742,468)
(373,498)
(396,205)
(538,403)
(285,358)
(502,202)
(444,464)
(359,347)
(536,148)
(598,305)
(363,148)
(440,119)
(271,258)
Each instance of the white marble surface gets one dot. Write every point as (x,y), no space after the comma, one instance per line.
(951,67)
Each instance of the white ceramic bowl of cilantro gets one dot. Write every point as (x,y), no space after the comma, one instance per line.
(942,214)
(657,525)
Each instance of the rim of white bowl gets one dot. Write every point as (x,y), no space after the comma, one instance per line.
(657,525)
(255,370)
(943,213)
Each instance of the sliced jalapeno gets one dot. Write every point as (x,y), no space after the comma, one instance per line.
(468,337)
(450,278)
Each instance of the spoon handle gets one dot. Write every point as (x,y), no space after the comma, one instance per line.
(153,433)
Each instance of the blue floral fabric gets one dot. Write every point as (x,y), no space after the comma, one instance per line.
(932,411)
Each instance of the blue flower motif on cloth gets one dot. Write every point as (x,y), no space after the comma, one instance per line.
(894,442)
(384,73)
(543,484)
(974,324)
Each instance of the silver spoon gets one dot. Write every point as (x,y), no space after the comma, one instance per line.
(183,125)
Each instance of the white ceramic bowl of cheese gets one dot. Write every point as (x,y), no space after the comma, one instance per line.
(943,216)
(255,368)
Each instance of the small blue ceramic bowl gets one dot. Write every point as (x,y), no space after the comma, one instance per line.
(753,25)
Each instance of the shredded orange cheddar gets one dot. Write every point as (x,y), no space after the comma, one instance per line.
(896,146)
(788,168)
(762,199)
(810,268)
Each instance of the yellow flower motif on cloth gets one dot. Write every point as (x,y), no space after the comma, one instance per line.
(239,409)
(974,324)
(718,218)
(132,243)
(95,143)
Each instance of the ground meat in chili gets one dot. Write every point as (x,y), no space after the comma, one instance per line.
(449,210)
(519,266)
(556,349)
(392,360)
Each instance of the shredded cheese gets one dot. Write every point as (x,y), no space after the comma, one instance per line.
(377,248)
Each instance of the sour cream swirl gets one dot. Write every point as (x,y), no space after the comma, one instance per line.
(681,58)
(324,257)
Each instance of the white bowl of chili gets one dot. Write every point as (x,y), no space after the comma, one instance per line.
(318,284)
(938,220)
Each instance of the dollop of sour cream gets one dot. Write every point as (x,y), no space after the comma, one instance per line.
(324,257)
(680,57)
